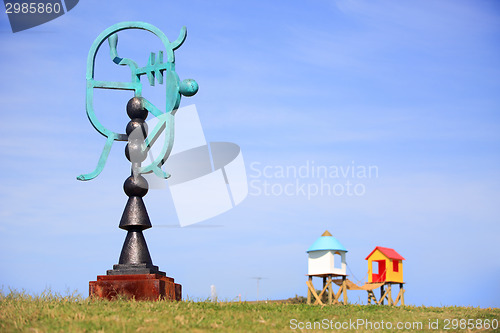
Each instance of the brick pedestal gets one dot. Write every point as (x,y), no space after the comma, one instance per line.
(142,287)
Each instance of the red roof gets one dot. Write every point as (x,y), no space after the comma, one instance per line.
(389,253)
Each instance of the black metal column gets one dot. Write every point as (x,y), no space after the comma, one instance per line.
(135,257)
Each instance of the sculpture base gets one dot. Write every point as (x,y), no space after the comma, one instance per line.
(129,269)
(141,287)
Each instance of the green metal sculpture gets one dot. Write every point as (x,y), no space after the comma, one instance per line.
(135,260)
(156,69)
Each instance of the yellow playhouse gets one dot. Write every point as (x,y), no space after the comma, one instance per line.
(385,265)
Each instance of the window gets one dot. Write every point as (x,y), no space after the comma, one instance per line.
(395,265)
(375,267)
(337,260)
(378,271)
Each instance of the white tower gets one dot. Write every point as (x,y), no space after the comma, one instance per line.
(327,256)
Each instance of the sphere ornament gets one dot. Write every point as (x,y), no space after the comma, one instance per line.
(134,151)
(137,128)
(188,87)
(135,186)
(136,109)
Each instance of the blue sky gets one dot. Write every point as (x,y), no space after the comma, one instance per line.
(409,87)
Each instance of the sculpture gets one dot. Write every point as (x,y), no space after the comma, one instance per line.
(135,258)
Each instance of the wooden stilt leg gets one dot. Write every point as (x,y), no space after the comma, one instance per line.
(317,298)
(324,284)
(309,291)
(330,289)
(383,296)
(337,296)
(328,294)
(402,291)
(371,296)
(344,288)
(389,294)
(398,297)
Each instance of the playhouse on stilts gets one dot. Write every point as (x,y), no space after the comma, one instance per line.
(327,260)
(385,267)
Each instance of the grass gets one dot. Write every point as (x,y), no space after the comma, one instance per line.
(50,312)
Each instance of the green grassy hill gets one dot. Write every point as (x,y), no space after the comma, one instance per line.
(49,313)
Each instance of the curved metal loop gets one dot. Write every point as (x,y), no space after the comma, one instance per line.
(172,84)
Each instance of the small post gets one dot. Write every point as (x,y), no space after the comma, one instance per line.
(213,293)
